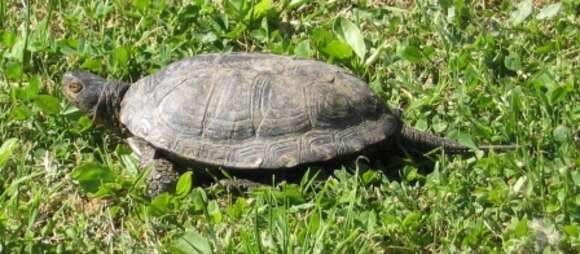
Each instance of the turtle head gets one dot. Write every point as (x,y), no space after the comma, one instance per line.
(96,96)
(83,90)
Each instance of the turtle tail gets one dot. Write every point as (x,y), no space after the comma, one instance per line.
(420,141)
(412,139)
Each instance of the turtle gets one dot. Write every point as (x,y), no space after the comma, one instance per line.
(244,111)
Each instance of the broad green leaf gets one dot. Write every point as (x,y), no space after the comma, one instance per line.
(290,193)
(6,150)
(516,95)
(549,11)
(8,39)
(466,140)
(4,98)
(92,175)
(572,230)
(513,62)
(21,112)
(141,4)
(13,70)
(350,33)
(445,3)
(160,204)
(421,125)
(303,49)
(214,212)
(411,174)
(576,178)
(131,163)
(409,52)
(236,8)
(121,56)
(184,184)
(108,189)
(524,9)
(553,207)
(561,133)
(321,37)
(297,3)
(521,228)
(411,221)
(337,49)
(314,222)
(370,177)
(31,90)
(371,220)
(262,34)
(438,125)
(238,209)
(102,9)
(498,194)
(84,123)
(91,64)
(47,104)
(190,242)
(294,195)
(390,220)
(69,46)
(557,93)
(376,86)
(261,9)
(544,79)
(18,50)
(198,199)
(209,37)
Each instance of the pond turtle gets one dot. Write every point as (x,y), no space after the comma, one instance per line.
(243,111)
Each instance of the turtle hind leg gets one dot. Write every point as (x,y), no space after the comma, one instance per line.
(163,175)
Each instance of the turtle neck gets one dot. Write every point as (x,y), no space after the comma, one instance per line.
(108,106)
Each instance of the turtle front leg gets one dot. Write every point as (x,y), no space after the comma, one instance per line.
(163,176)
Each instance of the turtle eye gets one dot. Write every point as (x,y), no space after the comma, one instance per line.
(75,87)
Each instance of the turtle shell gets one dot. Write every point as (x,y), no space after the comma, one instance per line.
(255,111)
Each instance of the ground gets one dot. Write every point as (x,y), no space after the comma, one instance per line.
(480,72)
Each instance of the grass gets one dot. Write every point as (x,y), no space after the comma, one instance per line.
(488,72)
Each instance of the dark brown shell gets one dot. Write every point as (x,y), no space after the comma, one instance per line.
(252,111)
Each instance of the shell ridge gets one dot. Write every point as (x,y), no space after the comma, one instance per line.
(223,96)
(252,108)
(307,106)
(206,106)
(263,94)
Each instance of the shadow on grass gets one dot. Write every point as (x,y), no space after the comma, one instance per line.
(390,161)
